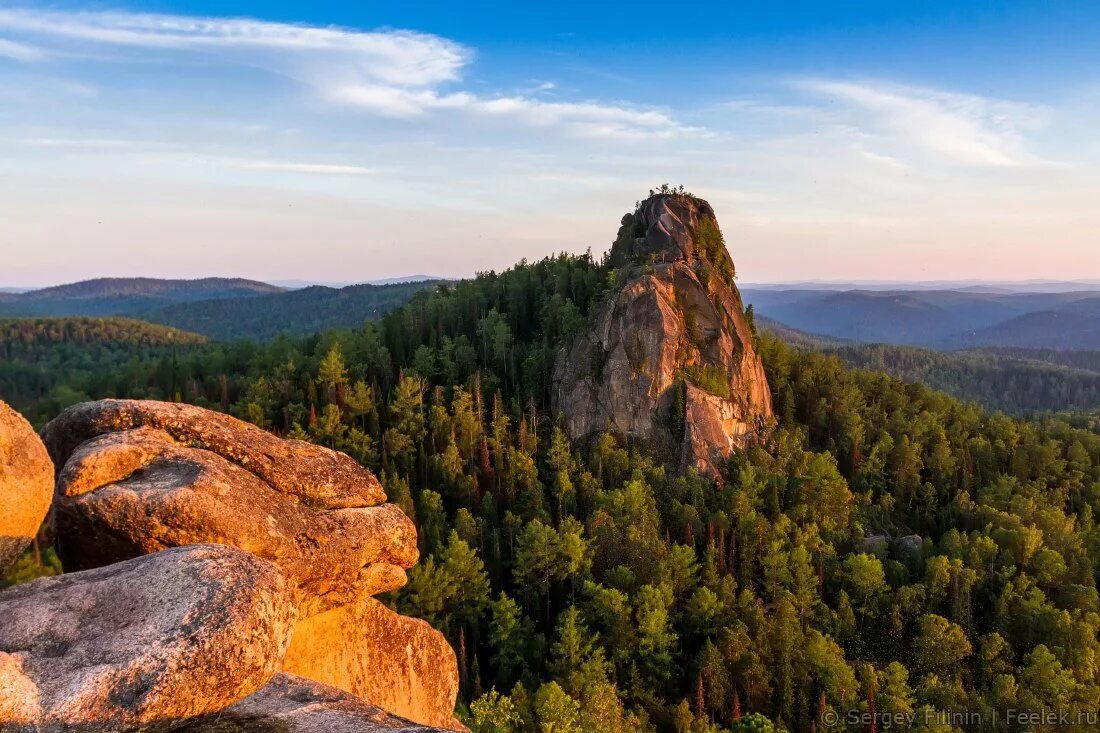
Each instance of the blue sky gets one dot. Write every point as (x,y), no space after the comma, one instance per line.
(344,141)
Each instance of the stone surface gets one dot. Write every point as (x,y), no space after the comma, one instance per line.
(315,476)
(668,358)
(398,663)
(138,477)
(909,549)
(26,484)
(143,644)
(290,704)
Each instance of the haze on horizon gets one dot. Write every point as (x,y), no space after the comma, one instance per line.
(344,142)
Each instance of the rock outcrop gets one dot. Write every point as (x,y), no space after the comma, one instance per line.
(398,663)
(137,477)
(142,644)
(26,484)
(668,358)
(290,704)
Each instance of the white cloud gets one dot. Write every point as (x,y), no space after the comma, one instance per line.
(20,51)
(282,166)
(391,73)
(583,119)
(393,57)
(962,128)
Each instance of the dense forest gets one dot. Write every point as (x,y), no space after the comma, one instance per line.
(303,311)
(47,364)
(888,549)
(1016,381)
(219,308)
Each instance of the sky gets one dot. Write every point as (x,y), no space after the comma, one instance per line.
(348,141)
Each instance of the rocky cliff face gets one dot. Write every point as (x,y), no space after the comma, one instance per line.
(669,358)
(211,557)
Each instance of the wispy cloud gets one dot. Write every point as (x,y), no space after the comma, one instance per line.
(393,57)
(962,128)
(166,153)
(584,119)
(20,51)
(283,166)
(392,73)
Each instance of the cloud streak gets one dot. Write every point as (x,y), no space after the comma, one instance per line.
(390,73)
(960,128)
(393,57)
(20,51)
(583,119)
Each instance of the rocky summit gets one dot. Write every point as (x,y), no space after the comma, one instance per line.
(669,357)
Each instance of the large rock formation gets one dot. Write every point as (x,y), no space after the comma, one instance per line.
(669,358)
(137,477)
(26,484)
(290,704)
(316,476)
(143,644)
(398,663)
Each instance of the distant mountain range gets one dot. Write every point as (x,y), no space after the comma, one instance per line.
(308,310)
(220,308)
(973,316)
(973,286)
(940,319)
(297,284)
(125,296)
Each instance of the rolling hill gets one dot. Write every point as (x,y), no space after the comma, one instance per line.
(23,334)
(1015,381)
(126,296)
(945,319)
(220,308)
(295,312)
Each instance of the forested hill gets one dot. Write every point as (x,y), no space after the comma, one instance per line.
(107,287)
(941,319)
(26,337)
(304,311)
(47,364)
(1017,381)
(125,296)
(220,308)
(885,546)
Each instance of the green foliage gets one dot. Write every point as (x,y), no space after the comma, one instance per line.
(1017,381)
(708,378)
(296,312)
(29,566)
(593,589)
(753,723)
(712,245)
(25,338)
